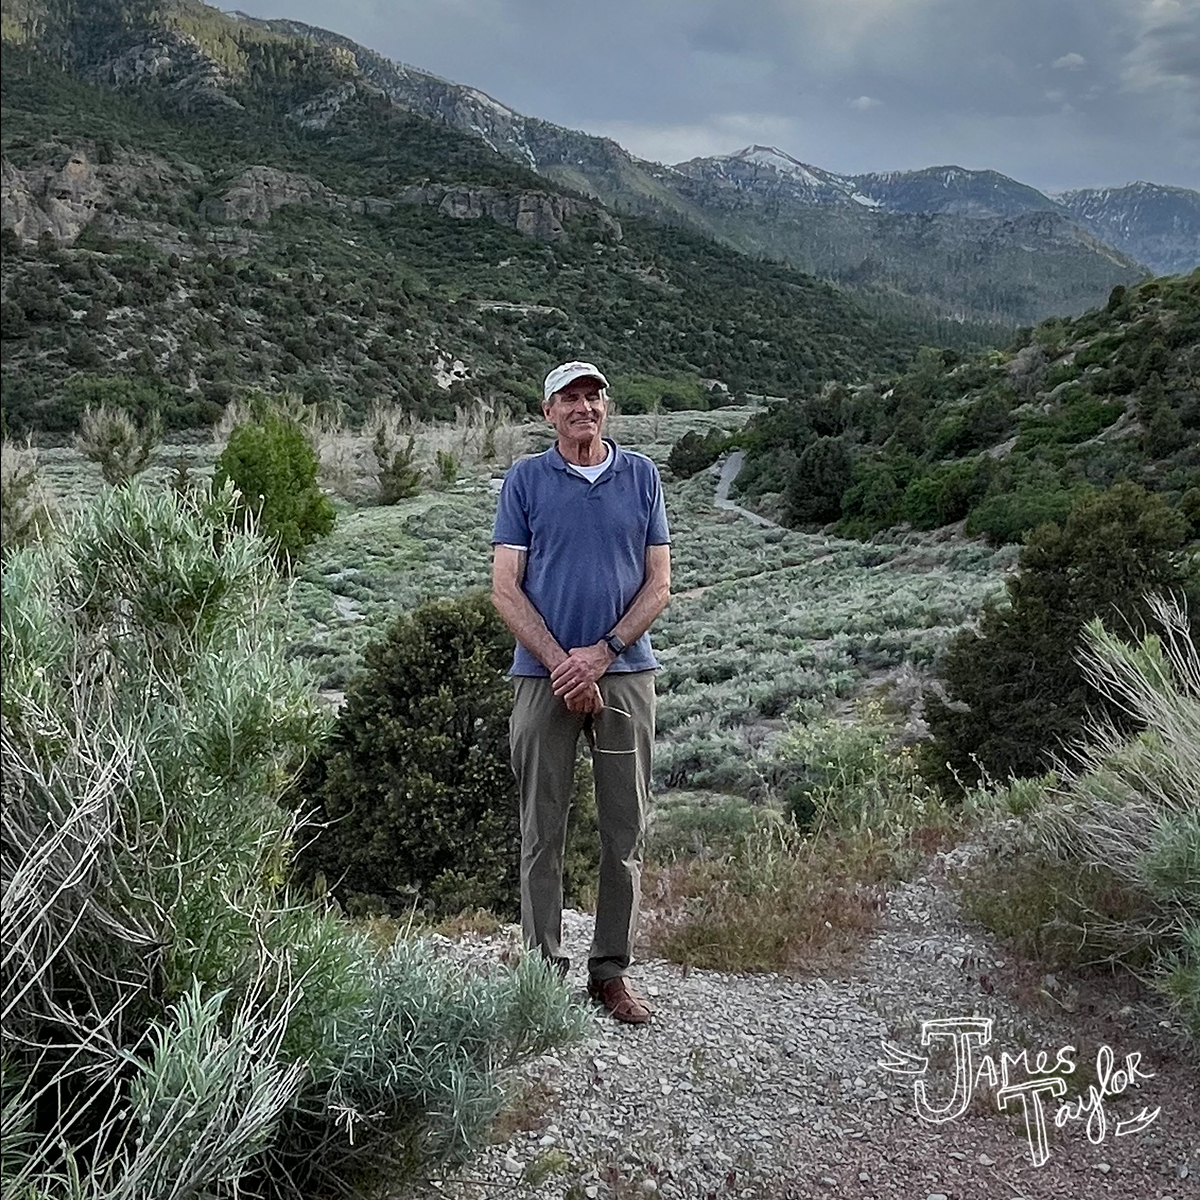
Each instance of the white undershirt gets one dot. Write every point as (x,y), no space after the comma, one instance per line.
(591,474)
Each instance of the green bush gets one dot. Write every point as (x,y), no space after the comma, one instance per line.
(447,467)
(399,476)
(1103,862)
(817,481)
(647,393)
(852,777)
(1016,692)
(1087,417)
(274,468)
(1132,804)
(695,451)
(1008,516)
(414,790)
(945,495)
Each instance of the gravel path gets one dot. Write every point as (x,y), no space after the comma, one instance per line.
(768,1086)
(729,472)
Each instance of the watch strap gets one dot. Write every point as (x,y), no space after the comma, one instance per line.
(614,643)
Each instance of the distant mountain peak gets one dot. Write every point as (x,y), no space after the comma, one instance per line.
(770,155)
(1156,223)
(782,162)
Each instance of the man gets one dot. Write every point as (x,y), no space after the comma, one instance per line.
(582,567)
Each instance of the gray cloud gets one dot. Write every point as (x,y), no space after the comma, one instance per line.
(1070,93)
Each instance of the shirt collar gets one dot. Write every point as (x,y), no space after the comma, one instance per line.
(620,460)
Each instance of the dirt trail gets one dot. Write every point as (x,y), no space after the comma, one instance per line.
(729,472)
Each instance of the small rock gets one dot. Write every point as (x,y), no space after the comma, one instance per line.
(512,1166)
(828,1181)
(984,1161)
(648,1185)
(591,1191)
(937,1196)
(863,1177)
(1103,1168)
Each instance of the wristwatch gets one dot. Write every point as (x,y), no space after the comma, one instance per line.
(614,643)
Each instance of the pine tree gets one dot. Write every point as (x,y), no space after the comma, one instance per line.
(1015,691)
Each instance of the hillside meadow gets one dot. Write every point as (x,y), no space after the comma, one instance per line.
(767,626)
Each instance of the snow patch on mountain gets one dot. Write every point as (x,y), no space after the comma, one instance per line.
(487,102)
(776,159)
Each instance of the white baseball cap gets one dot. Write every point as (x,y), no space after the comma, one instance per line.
(568,373)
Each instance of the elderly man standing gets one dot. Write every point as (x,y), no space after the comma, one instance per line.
(582,567)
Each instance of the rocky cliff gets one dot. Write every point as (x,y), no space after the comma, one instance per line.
(78,185)
(63,197)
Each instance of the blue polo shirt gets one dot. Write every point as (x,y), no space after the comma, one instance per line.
(587,546)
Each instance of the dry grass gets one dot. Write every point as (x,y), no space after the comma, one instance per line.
(779,900)
(116,443)
(479,921)
(1051,910)
(480,440)
(526,1109)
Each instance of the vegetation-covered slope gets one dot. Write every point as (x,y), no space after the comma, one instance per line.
(1005,439)
(986,256)
(240,228)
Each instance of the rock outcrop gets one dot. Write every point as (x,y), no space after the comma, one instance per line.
(57,200)
(535,214)
(174,58)
(259,191)
(62,196)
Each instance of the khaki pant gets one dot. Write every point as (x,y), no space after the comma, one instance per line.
(543,737)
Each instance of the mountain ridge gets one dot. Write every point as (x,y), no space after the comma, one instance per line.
(601,168)
(964,261)
(206,246)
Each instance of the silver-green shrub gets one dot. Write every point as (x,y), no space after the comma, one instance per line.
(175,1022)
(27,508)
(116,443)
(1132,804)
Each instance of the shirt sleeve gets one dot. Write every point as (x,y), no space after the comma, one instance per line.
(512,518)
(658,532)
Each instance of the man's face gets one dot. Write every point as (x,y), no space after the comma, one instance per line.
(578,411)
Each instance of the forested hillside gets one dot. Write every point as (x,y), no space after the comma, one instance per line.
(1004,439)
(221,233)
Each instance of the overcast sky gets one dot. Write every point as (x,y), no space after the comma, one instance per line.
(1056,93)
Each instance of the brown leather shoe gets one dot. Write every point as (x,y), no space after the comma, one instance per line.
(618,996)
